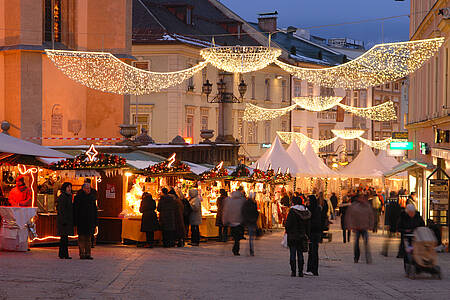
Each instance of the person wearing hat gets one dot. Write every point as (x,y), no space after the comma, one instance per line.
(20,195)
(409,220)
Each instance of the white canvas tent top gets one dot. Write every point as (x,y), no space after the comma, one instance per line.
(303,165)
(12,145)
(317,166)
(389,163)
(277,158)
(365,165)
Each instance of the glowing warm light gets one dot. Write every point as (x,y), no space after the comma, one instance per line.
(32,171)
(105,72)
(128,174)
(255,113)
(189,140)
(92,153)
(317,103)
(302,140)
(382,145)
(51,237)
(382,64)
(381,112)
(171,160)
(240,59)
(219,166)
(347,134)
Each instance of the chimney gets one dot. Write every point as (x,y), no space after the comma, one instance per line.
(267,22)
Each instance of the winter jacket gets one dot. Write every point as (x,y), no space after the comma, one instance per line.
(343,210)
(285,201)
(392,215)
(196,215)
(407,224)
(232,209)
(250,212)
(180,229)
(149,218)
(359,216)
(168,211)
(85,212)
(219,203)
(64,219)
(334,201)
(316,218)
(298,226)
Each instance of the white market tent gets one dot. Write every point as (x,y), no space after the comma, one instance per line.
(365,165)
(277,158)
(302,164)
(389,163)
(12,145)
(316,164)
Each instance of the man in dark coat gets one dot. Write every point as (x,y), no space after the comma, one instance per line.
(149,219)
(223,230)
(168,211)
(334,203)
(392,215)
(64,219)
(95,193)
(298,231)
(250,216)
(180,230)
(316,230)
(85,218)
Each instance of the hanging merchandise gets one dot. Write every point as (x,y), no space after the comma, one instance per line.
(381,112)
(104,72)
(317,103)
(382,145)
(240,59)
(255,113)
(348,134)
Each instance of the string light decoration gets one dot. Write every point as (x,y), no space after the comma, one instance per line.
(381,112)
(104,72)
(348,134)
(302,140)
(317,103)
(215,173)
(240,59)
(255,113)
(83,161)
(383,63)
(170,165)
(382,145)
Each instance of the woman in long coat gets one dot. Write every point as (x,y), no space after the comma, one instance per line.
(195,218)
(149,219)
(168,211)
(64,219)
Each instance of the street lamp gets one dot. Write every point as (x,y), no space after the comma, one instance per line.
(223,96)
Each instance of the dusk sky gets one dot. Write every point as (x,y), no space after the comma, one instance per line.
(308,13)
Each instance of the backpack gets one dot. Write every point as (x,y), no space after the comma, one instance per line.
(187,209)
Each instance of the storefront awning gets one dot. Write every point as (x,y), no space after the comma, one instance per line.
(407,165)
(10,144)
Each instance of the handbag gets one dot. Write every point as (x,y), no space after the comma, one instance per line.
(284,243)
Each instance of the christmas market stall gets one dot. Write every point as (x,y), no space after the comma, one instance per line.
(98,169)
(20,166)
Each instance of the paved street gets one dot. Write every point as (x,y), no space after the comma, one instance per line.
(210,272)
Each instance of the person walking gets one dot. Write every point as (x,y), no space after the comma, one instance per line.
(298,230)
(149,222)
(334,205)
(250,217)
(232,216)
(64,219)
(168,208)
(343,210)
(360,219)
(85,219)
(409,220)
(195,219)
(392,215)
(223,230)
(316,232)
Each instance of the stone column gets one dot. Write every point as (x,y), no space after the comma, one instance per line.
(225,128)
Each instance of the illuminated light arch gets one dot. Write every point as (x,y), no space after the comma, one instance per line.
(348,134)
(255,113)
(383,63)
(104,72)
(317,103)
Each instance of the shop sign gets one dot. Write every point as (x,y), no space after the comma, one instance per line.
(401,145)
(441,136)
(424,148)
(439,200)
(440,153)
(264,146)
(400,135)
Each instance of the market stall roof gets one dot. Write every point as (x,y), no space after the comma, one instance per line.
(316,164)
(10,144)
(387,162)
(405,166)
(365,165)
(277,157)
(303,165)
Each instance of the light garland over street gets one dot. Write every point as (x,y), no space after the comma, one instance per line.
(381,112)
(317,103)
(382,64)
(104,72)
(255,113)
(348,134)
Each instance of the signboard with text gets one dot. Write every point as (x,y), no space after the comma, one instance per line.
(402,145)
(400,135)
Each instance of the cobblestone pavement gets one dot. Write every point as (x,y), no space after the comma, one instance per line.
(212,272)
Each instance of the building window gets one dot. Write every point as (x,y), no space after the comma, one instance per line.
(142,117)
(253,83)
(396,86)
(241,126)
(190,81)
(252,132)
(52,20)
(142,64)
(190,122)
(297,88)
(267,132)
(325,134)
(284,125)
(204,118)
(387,86)
(283,91)
(267,88)
(310,89)
(310,132)
(297,129)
